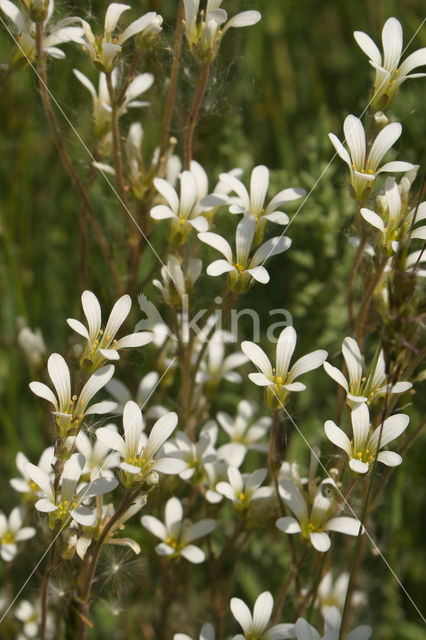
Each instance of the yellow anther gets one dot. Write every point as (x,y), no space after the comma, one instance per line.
(241,496)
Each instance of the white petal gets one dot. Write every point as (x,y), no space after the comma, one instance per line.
(106,406)
(350,526)
(86,82)
(392,43)
(25,534)
(307,363)
(392,428)
(395,166)
(336,374)
(358,466)
(386,138)
(304,631)
(353,359)
(160,432)
(173,516)
(262,611)
(363,632)
(244,238)
(258,357)
(83,516)
(169,465)
(60,376)
(93,385)
(259,274)
(217,242)
(154,526)
(279,217)
(41,479)
(355,138)
(119,313)
(112,16)
(139,339)
(42,391)
(270,248)
(260,379)
(320,541)
(218,267)
(243,19)
(161,212)
(78,327)
(199,223)
(92,311)
(241,613)
(284,196)
(200,529)
(259,183)
(285,348)
(294,499)
(368,46)
(193,554)
(71,475)
(340,149)
(288,525)
(45,505)
(168,193)
(416,59)
(372,218)
(236,185)
(137,26)
(389,458)
(337,436)
(111,439)
(99,487)
(360,419)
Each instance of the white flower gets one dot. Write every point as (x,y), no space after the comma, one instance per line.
(242,489)
(70,411)
(69,502)
(206,633)
(102,101)
(101,343)
(204,30)
(186,211)
(242,269)
(12,532)
(313,522)
(362,449)
(243,428)
(254,626)
(254,203)
(304,631)
(194,454)
(59,33)
(177,283)
(363,166)
(177,538)
(104,51)
(145,390)
(25,484)
(136,450)
(390,73)
(399,220)
(32,344)
(216,367)
(333,593)
(280,380)
(30,616)
(363,388)
(98,459)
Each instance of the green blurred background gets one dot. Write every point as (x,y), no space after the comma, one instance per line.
(276,90)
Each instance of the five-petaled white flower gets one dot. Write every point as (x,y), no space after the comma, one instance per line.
(254,203)
(242,489)
(136,449)
(215,366)
(102,344)
(390,74)
(30,616)
(99,461)
(254,626)
(104,51)
(302,630)
(194,454)
(186,211)
(68,504)
(177,283)
(242,269)
(102,100)
(206,633)
(12,532)
(177,538)
(333,593)
(363,448)
(363,388)
(313,522)
(25,484)
(71,410)
(204,30)
(59,33)
(280,380)
(363,165)
(244,428)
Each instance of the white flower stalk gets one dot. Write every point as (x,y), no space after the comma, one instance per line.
(364,167)
(393,220)
(390,71)
(67,504)
(280,381)
(178,282)
(333,593)
(215,367)
(302,630)
(104,51)
(313,521)
(206,633)
(194,454)
(137,451)
(185,212)
(54,34)
(254,625)
(99,459)
(70,410)
(362,387)
(32,345)
(24,484)
(243,489)
(102,101)
(254,202)
(244,428)
(363,448)
(243,269)
(204,30)
(12,532)
(177,538)
(102,344)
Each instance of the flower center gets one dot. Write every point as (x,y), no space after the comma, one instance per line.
(8,538)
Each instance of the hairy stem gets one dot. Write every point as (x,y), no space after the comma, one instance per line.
(191,122)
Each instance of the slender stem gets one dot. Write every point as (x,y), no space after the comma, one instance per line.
(66,160)
(294,569)
(130,76)
(191,123)
(362,316)
(315,586)
(116,144)
(45,589)
(174,73)
(351,282)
